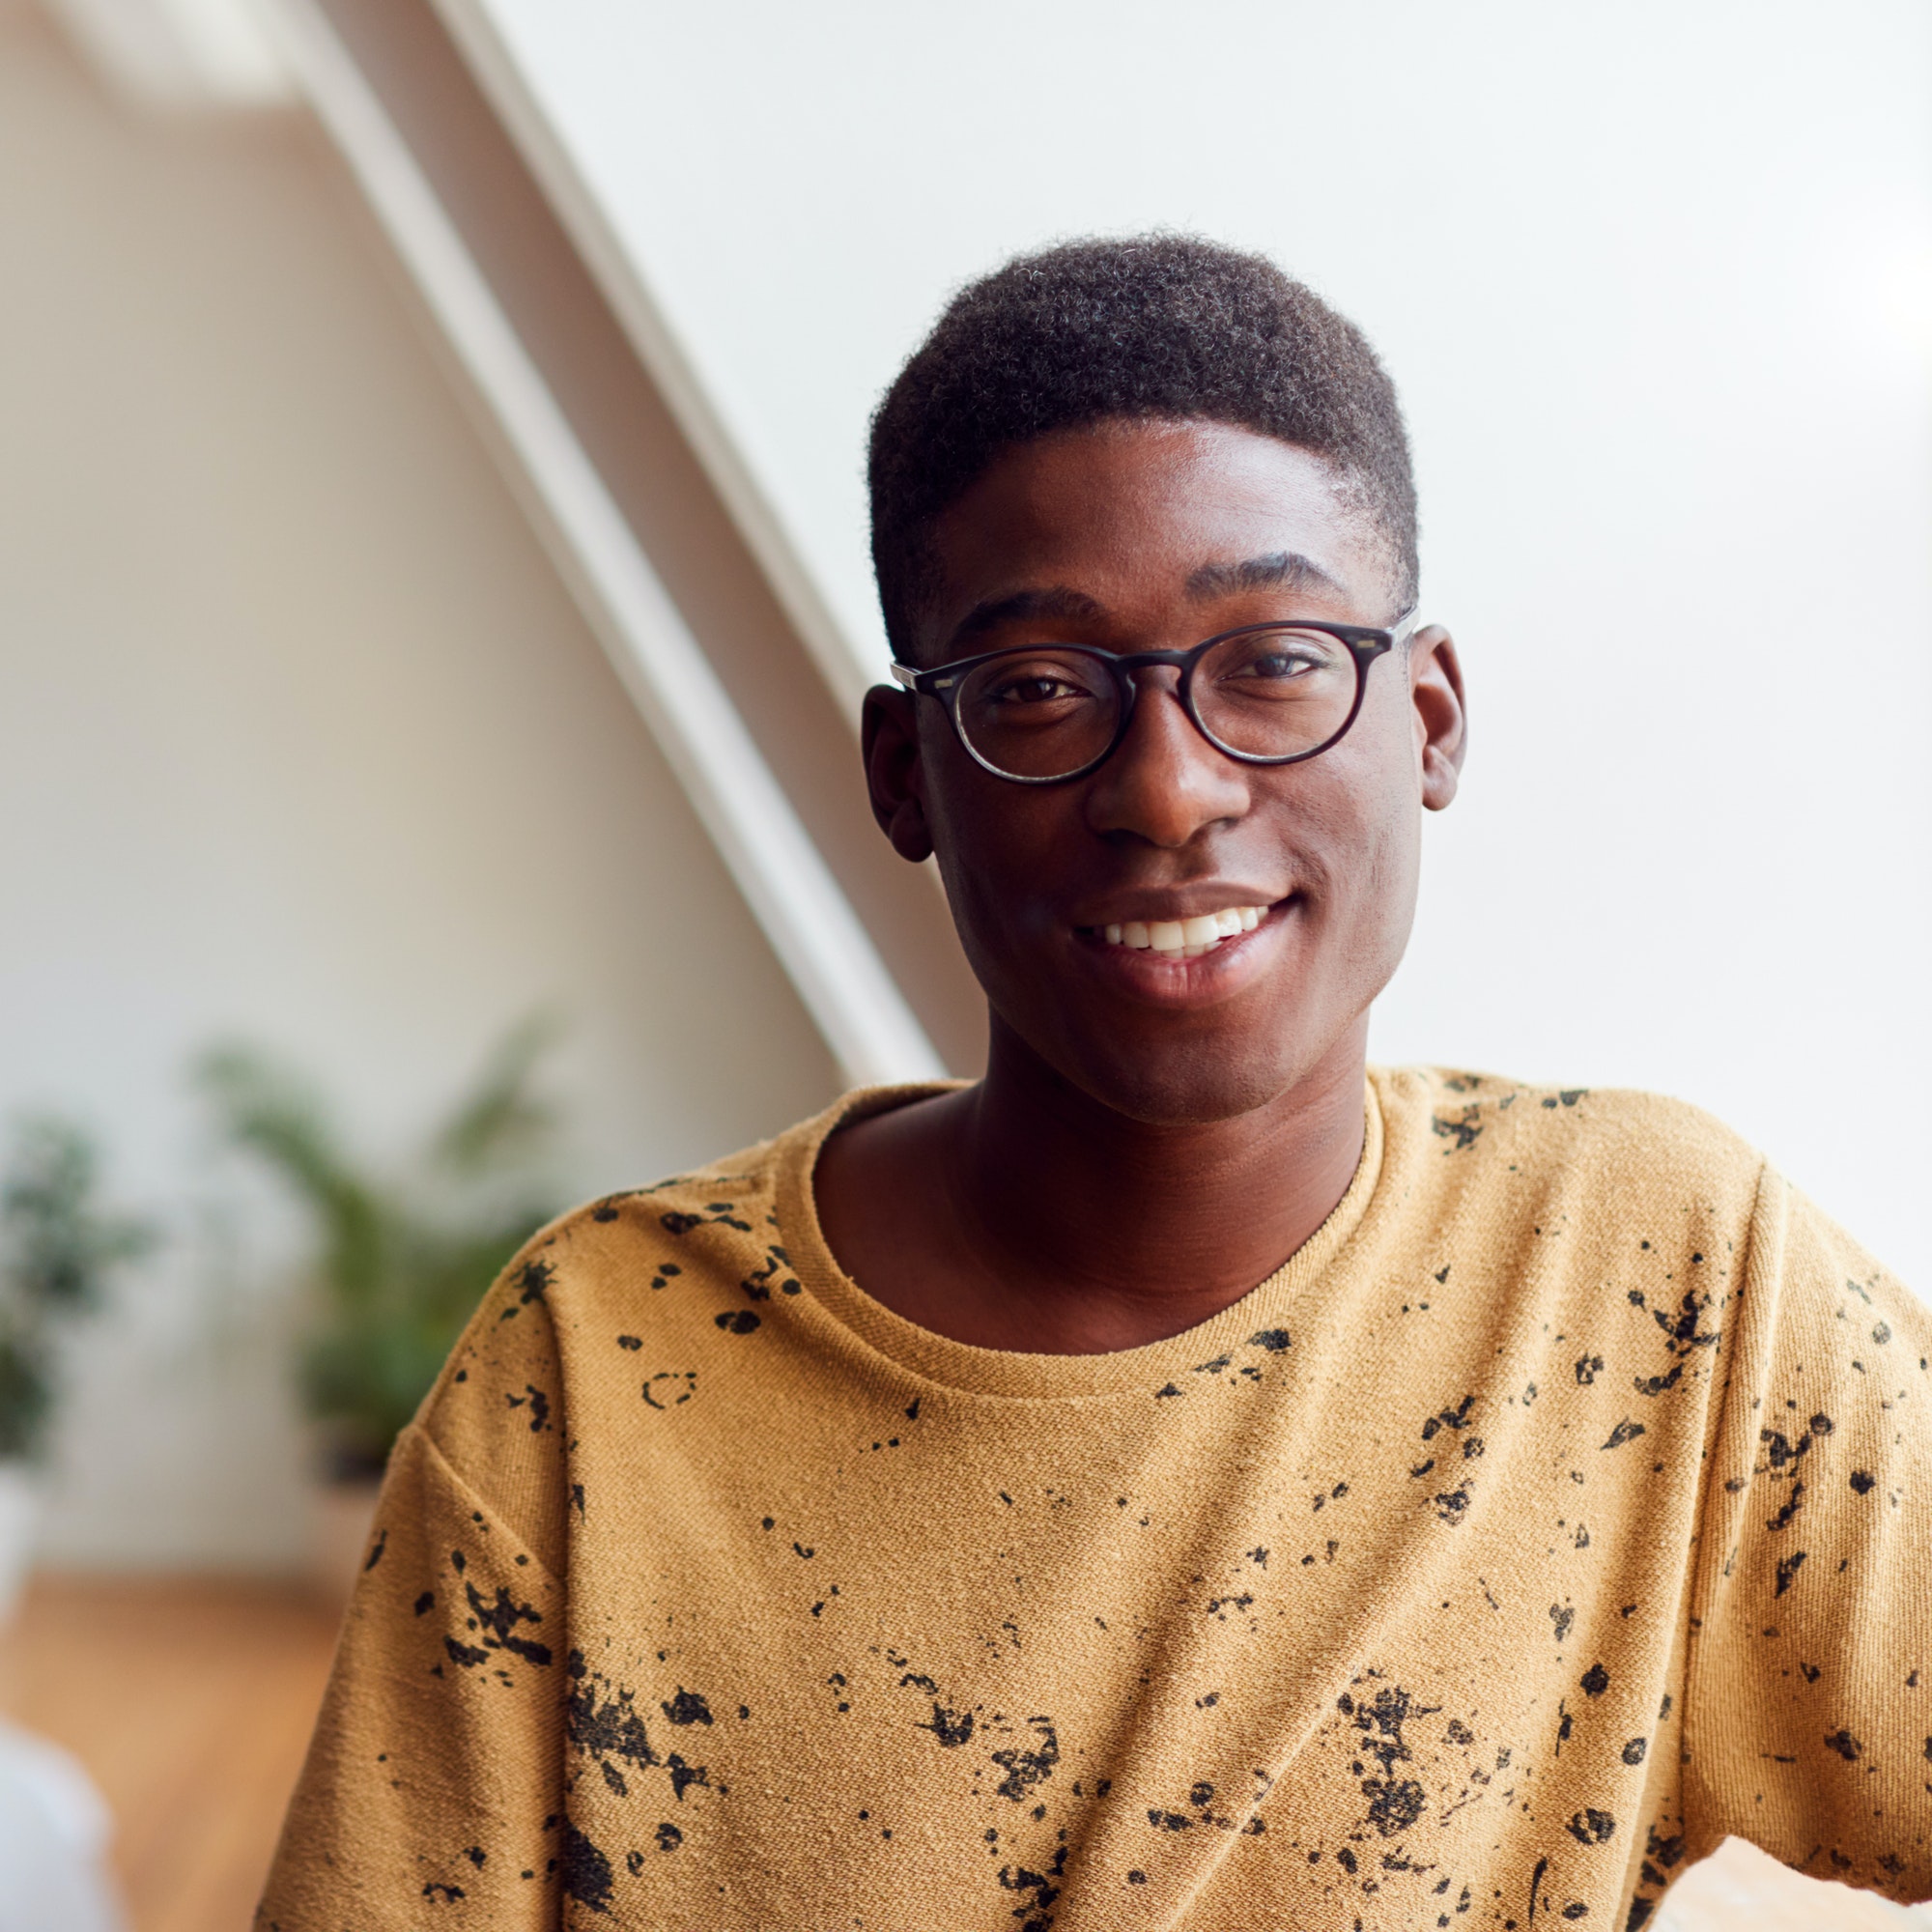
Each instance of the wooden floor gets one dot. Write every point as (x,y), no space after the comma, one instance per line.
(189,1703)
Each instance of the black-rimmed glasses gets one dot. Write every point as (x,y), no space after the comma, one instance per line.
(1266,695)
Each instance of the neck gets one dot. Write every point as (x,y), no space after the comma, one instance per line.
(1114,1230)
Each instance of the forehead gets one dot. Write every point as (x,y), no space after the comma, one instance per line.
(1144,518)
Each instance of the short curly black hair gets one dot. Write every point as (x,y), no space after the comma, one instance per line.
(1140,327)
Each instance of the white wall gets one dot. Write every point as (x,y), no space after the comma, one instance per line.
(300,737)
(1656,281)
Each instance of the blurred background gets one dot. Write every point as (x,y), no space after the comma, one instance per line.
(433,600)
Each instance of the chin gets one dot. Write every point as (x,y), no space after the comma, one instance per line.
(1194,1083)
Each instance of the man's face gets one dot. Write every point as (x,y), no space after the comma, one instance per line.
(1152,537)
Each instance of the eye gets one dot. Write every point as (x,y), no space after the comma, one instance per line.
(1038,689)
(1032,684)
(1037,712)
(1278,661)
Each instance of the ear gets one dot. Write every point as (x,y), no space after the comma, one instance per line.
(1442,713)
(889,743)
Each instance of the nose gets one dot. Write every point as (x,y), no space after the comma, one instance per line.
(1165,782)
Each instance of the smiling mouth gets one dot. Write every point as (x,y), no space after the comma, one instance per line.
(1182,938)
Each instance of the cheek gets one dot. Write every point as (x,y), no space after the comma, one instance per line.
(1395,875)
(991,841)
(1362,832)
(1387,841)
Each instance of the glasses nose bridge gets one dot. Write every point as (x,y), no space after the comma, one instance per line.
(1164,673)
(1153,670)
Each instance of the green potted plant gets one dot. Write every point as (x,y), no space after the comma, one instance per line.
(58,1249)
(398,1258)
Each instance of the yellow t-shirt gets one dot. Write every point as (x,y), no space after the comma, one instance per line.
(1562,1506)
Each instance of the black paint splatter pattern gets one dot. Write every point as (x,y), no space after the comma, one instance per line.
(1569,1509)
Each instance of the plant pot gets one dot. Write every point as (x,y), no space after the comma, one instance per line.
(342,1518)
(20,1492)
(54,1834)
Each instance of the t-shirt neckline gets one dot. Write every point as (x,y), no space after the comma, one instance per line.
(1269,1309)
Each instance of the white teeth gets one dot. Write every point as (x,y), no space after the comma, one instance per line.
(1185,938)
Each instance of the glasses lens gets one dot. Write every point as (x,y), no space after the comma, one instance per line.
(1040,714)
(1276,694)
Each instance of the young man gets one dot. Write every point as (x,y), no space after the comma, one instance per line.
(1184,1479)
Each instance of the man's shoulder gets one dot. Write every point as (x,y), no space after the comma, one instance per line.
(1486,1123)
(713,1221)
(689,1265)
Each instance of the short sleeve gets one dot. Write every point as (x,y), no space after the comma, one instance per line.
(1808,1718)
(434,1775)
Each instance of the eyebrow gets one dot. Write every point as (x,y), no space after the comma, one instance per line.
(1279,570)
(1022,606)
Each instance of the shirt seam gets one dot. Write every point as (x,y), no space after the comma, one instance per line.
(472,1495)
(1705,1570)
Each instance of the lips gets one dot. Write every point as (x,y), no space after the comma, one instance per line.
(1184,938)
